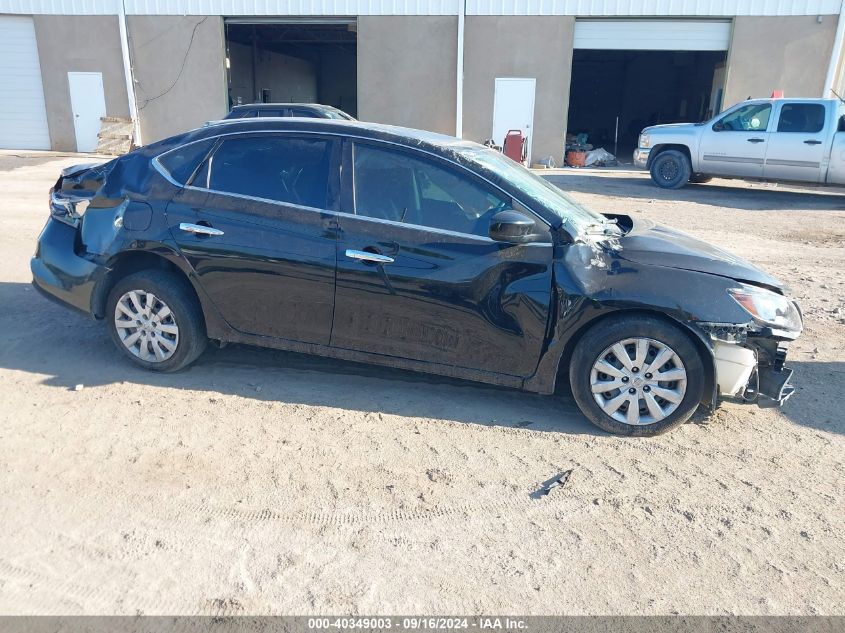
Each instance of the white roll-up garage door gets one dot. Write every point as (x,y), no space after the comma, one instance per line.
(653,35)
(23,117)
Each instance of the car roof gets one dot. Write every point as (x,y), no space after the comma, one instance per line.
(276,106)
(377,131)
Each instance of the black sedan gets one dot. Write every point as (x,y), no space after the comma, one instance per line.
(305,110)
(413,250)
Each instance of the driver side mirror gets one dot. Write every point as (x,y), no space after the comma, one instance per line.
(512,227)
(718,126)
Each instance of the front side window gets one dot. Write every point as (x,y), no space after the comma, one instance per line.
(285,169)
(395,186)
(534,187)
(807,118)
(753,117)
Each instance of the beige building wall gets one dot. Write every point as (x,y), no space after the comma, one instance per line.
(180,72)
(75,43)
(539,47)
(779,53)
(407,71)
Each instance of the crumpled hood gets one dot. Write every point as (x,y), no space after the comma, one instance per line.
(653,244)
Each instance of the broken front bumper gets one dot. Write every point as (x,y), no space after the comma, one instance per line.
(641,157)
(755,373)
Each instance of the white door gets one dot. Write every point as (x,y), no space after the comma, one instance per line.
(23,116)
(513,109)
(88,103)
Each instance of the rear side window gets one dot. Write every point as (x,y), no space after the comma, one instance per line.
(395,186)
(181,162)
(801,117)
(285,169)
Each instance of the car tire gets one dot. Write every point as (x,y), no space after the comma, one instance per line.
(596,346)
(671,169)
(700,179)
(154,318)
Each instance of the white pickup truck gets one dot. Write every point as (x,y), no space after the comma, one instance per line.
(800,140)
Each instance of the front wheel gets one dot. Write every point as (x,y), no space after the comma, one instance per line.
(636,376)
(671,169)
(154,319)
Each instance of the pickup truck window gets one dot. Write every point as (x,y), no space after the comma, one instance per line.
(807,118)
(751,118)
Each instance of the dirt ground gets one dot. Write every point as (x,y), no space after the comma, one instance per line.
(265,482)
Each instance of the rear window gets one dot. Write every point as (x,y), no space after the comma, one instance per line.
(285,169)
(807,118)
(181,162)
(264,112)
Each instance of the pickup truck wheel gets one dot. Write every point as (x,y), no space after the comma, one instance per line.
(700,179)
(671,169)
(154,319)
(636,376)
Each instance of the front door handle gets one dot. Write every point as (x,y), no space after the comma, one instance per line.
(756,140)
(199,229)
(812,141)
(366,256)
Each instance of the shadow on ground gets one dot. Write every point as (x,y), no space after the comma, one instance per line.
(40,337)
(721,193)
(819,385)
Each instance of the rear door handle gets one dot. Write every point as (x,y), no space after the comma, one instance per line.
(756,140)
(812,142)
(199,229)
(365,256)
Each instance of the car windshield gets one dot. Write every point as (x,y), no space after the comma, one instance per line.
(337,114)
(571,212)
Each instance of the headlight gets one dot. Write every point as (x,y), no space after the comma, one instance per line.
(768,307)
(645,141)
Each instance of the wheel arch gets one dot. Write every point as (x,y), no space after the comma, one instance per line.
(129,262)
(659,149)
(697,338)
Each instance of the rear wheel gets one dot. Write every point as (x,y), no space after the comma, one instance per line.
(154,319)
(671,169)
(637,376)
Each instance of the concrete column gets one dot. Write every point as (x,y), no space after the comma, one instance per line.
(407,71)
(180,72)
(78,43)
(778,53)
(538,47)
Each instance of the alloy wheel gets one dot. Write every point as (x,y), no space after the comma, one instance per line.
(638,381)
(145,326)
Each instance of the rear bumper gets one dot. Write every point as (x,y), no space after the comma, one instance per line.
(59,273)
(641,157)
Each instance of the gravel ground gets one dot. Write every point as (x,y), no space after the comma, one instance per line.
(265,482)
